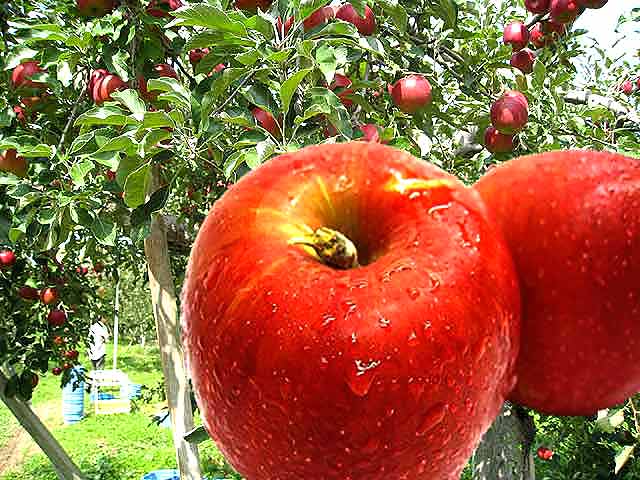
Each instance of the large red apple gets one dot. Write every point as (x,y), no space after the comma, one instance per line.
(11,162)
(537,6)
(516,95)
(319,17)
(266,121)
(21,75)
(7,258)
(509,115)
(95,77)
(95,8)
(564,11)
(412,93)
(572,220)
(497,142)
(516,35)
(56,318)
(371,323)
(545,453)
(366,25)
(592,3)
(523,60)
(341,82)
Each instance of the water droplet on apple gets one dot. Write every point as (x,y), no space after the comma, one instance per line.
(434,417)
(384,322)
(361,378)
(327,319)
(414,293)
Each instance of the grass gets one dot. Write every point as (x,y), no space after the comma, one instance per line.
(111,447)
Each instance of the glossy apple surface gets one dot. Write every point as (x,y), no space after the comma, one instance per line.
(366,25)
(412,93)
(572,220)
(389,367)
(497,142)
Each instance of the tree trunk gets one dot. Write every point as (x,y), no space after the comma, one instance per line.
(165,311)
(62,463)
(505,451)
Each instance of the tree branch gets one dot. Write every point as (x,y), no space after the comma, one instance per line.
(577,97)
(72,116)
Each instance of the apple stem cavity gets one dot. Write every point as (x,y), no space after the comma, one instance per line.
(334,248)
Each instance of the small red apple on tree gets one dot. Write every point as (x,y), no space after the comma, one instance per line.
(21,75)
(564,11)
(320,17)
(266,121)
(626,87)
(197,54)
(95,8)
(49,295)
(545,453)
(537,6)
(11,162)
(509,115)
(574,233)
(341,84)
(96,76)
(105,86)
(56,371)
(592,3)
(412,94)
(516,35)
(7,258)
(283,30)
(497,142)
(161,8)
(253,5)
(371,133)
(57,318)
(71,355)
(366,25)
(538,38)
(523,60)
(29,293)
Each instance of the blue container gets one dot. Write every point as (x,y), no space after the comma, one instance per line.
(162,475)
(73,398)
(101,396)
(134,391)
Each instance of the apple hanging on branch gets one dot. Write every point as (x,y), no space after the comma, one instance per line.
(372,324)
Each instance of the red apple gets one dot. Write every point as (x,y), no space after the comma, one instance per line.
(56,371)
(411,94)
(497,142)
(67,366)
(7,258)
(538,37)
(96,76)
(572,220)
(564,11)
(57,318)
(21,75)
(319,17)
(537,6)
(161,8)
(341,82)
(71,355)
(253,5)
(49,295)
(266,121)
(20,115)
(627,87)
(11,162)
(371,133)
(58,340)
(592,3)
(515,94)
(516,35)
(366,25)
(218,68)
(393,359)
(197,54)
(159,70)
(509,115)
(545,453)
(98,267)
(95,8)
(29,293)
(523,60)
(283,30)
(105,86)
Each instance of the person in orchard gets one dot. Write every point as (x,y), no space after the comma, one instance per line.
(98,336)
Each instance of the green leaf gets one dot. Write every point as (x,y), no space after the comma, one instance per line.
(289,87)
(539,74)
(157,201)
(46,216)
(307,7)
(259,96)
(157,120)
(325,102)
(135,187)
(335,28)
(397,13)
(358,5)
(80,170)
(131,100)
(447,10)
(204,15)
(175,92)
(80,142)
(246,156)
(197,435)
(108,115)
(104,230)
(327,61)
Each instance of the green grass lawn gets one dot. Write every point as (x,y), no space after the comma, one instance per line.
(110,447)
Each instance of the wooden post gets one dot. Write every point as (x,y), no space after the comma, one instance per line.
(165,311)
(116,323)
(505,451)
(62,463)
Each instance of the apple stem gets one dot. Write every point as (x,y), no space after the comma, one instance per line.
(334,248)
